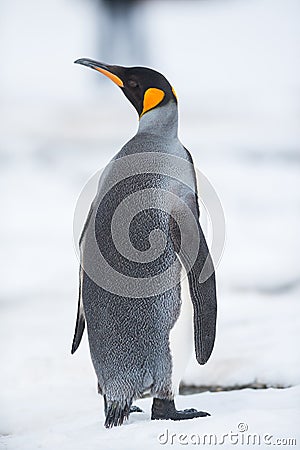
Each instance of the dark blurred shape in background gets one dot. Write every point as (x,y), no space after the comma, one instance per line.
(123,36)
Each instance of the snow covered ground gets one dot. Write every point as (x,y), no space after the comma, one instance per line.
(73,422)
(235,69)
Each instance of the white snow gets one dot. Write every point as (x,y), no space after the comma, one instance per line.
(74,423)
(235,69)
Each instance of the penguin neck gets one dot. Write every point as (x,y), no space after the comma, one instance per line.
(161,121)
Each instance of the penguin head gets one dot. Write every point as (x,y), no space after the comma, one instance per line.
(145,88)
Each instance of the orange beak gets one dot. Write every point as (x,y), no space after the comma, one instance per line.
(109,71)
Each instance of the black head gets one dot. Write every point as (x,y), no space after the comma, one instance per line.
(145,88)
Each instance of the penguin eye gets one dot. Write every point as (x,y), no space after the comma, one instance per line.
(132,83)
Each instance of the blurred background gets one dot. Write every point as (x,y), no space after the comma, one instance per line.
(236,68)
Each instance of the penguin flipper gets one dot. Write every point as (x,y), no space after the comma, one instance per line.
(202,291)
(204,299)
(80,321)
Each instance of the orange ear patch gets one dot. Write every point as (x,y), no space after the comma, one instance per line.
(174,93)
(112,76)
(152,98)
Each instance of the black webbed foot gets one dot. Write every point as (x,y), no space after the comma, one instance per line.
(134,409)
(163,409)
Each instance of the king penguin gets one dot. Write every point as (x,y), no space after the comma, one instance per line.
(141,330)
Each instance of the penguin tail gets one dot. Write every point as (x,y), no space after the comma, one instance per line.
(116,413)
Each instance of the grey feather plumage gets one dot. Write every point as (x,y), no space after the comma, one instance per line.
(129,337)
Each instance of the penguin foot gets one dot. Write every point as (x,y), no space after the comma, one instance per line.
(134,409)
(163,409)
